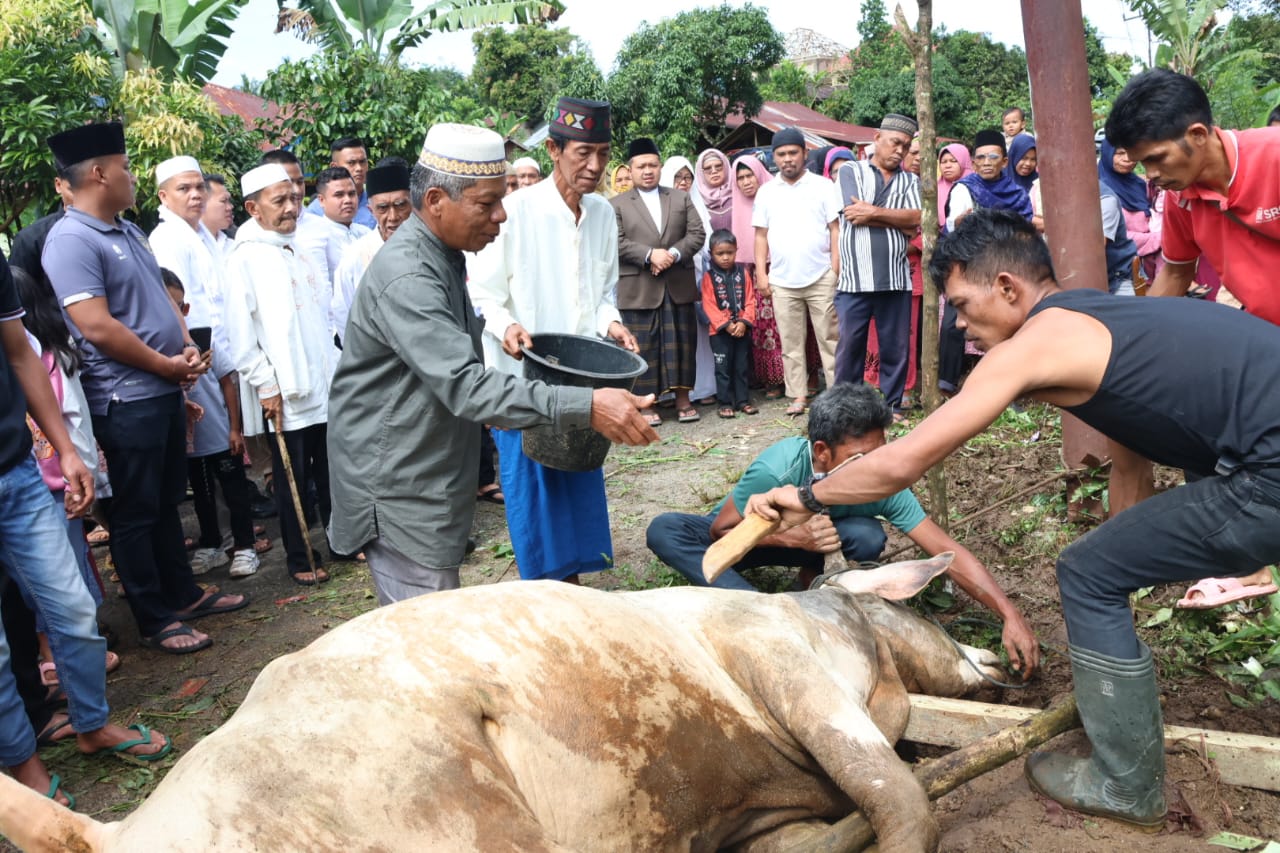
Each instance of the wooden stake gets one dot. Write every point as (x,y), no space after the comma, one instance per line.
(734,545)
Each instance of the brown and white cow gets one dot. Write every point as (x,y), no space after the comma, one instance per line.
(548,717)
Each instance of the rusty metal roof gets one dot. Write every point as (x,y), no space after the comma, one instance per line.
(246,106)
(818,129)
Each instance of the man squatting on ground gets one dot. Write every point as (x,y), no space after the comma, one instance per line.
(1134,370)
(411,388)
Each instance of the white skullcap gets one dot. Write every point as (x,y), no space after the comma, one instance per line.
(465,150)
(176,166)
(527,161)
(263,176)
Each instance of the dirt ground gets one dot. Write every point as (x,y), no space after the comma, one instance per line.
(187,697)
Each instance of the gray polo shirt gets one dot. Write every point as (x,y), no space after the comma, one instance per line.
(84,258)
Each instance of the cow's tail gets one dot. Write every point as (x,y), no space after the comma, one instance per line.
(37,824)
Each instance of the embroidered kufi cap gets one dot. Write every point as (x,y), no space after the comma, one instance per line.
(386,179)
(176,166)
(582,120)
(900,123)
(464,150)
(261,177)
(643,145)
(86,142)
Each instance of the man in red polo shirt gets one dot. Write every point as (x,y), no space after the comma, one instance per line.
(1223,204)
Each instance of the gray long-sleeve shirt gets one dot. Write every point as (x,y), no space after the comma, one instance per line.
(407,399)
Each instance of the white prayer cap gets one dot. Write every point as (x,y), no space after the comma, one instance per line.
(527,161)
(263,176)
(465,150)
(176,166)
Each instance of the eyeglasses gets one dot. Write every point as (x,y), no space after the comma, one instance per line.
(988,157)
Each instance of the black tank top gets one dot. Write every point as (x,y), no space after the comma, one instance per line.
(1190,384)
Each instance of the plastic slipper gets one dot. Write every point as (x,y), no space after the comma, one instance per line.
(688,416)
(773,394)
(209,606)
(258,530)
(1215,592)
(143,739)
(492,495)
(48,673)
(725,412)
(55,782)
(261,546)
(748,409)
(320,576)
(156,643)
(99,536)
(49,734)
(653,419)
(795,410)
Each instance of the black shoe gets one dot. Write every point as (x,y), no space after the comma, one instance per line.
(471,545)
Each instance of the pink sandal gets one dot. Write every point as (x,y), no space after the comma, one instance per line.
(1215,592)
(48,673)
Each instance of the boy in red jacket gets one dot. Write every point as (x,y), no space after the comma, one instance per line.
(729,307)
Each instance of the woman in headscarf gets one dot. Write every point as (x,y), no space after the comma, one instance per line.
(677,173)
(749,174)
(833,161)
(712,179)
(953,164)
(1141,219)
(619,180)
(1021,169)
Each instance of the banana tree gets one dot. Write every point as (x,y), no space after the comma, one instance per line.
(177,38)
(390,27)
(1190,34)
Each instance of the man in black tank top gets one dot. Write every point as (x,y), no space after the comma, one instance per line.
(1134,369)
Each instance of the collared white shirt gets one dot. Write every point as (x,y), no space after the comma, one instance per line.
(324,241)
(653,203)
(798,217)
(346,278)
(546,271)
(192,254)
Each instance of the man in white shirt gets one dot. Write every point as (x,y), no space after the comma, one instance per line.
(798,261)
(324,238)
(528,172)
(554,268)
(183,245)
(388,187)
(219,212)
(277,311)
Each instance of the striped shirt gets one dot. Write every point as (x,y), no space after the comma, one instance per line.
(873,258)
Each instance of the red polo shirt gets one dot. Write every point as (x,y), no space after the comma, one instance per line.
(1247,258)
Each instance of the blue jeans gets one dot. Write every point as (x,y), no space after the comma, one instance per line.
(681,539)
(79,547)
(35,552)
(1218,526)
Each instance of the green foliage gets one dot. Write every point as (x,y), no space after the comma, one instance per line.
(1190,33)
(789,83)
(337,93)
(677,80)
(390,27)
(53,75)
(178,38)
(522,71)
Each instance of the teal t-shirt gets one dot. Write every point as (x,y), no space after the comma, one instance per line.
(789,463)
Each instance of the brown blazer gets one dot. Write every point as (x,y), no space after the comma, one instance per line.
(681,229)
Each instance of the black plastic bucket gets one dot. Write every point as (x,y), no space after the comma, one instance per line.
(585,363)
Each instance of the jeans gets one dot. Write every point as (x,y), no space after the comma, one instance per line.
(681,539)
(310,458)
(145,442)
(35,553)
(1219,526)
(892,313)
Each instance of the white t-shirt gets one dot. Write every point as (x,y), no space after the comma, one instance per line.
(798,217)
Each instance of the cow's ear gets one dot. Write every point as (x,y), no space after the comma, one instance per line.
(896,581)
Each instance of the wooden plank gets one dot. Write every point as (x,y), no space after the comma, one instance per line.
(1249,760)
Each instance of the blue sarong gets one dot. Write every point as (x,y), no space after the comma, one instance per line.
(559,520)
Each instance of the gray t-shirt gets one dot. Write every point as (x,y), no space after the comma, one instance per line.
(84,258)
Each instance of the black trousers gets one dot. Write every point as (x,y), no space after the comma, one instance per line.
(488,474)
(892,313)
(145,442)
(950,352)
(733,364)
(203,473)
(307,452)
(24,651)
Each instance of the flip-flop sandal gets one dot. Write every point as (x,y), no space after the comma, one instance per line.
(492,495)
(55,785)
(143,739)
(318,577)
(773,394)
(258,530)
(749,409)
(1215,592)
(99,536)
(49,734)
(156,643)
(209,606)
(654,419)
(795,410)
(261,546)
(688,416)
(725,412)
(48,673)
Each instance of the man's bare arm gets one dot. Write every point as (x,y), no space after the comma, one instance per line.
(1173,279)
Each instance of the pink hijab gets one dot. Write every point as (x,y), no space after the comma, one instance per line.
(742,207)
(719,200)
(959,151)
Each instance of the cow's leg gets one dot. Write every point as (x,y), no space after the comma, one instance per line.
(783,838)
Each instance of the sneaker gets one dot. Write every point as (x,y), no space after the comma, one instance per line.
(206,559)
(244,563)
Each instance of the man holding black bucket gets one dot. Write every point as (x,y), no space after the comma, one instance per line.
(411,385)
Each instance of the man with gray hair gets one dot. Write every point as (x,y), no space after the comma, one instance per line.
(528,172)
(411,387)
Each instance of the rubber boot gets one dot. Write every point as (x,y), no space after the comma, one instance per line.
(1120,709)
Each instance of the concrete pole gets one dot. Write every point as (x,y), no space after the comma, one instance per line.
(1060,103)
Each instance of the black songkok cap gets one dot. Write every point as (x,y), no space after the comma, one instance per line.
(582,120)
(86,142)
(386,179)
(788,136)
(643,145)
(989,137)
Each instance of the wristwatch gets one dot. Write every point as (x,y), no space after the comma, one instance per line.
(811,503)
